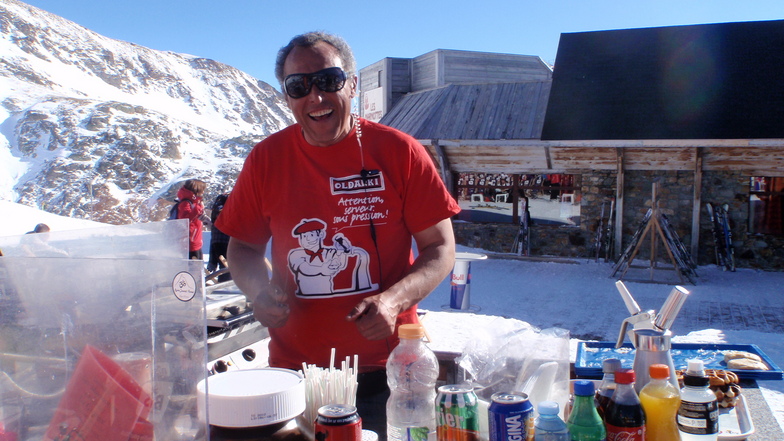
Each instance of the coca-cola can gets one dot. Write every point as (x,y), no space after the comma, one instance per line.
(511,417)
(338,422)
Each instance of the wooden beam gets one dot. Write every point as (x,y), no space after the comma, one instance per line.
(549,159)
(443,159)
(614,143)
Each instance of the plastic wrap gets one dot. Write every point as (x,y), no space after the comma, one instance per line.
(90,320)
(524,359)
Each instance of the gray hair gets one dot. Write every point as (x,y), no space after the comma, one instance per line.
(309,40)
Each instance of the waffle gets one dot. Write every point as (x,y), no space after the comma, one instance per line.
(723,383)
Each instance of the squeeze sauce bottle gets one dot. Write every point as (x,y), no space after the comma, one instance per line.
(698,414)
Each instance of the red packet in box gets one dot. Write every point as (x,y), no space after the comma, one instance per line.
(102,402)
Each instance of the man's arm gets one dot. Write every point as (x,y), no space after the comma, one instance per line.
(375,316)
(249,272)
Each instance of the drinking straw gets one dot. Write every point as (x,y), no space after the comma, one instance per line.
(330,385)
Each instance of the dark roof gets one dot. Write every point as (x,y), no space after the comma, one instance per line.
(714,81)
(473,111)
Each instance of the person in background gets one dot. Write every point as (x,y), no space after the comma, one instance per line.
(374,188)
(191,207)
(35,243)
(219,241)
(40,228)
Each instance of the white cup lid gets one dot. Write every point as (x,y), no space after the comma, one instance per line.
(251,398)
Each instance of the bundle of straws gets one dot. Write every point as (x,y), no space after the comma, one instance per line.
(329,386)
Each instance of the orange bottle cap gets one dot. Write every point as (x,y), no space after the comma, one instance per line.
(659,371)
(411,331)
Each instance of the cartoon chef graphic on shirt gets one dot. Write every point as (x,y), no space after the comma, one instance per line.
(327,271)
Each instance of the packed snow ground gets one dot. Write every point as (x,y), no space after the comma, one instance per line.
(578,295)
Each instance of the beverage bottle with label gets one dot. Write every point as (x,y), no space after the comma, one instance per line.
(548,425)
(584,422)
(660,400)
(412,370)
(624,418)
(607,387)
(698,414)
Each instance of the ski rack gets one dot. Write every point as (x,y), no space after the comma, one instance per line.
(658,225)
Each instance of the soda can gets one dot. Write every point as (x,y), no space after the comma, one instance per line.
(510,417)
(338,422)
(457,413)
(460,297)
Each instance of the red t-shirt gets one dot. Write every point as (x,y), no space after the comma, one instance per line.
(316,207)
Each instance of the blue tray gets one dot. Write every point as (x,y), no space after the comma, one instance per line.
(591,354)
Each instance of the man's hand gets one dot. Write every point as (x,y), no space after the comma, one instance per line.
(271,308)
(375,319)
(249,271)
(375,316)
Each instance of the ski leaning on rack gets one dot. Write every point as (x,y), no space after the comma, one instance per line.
(522,242)
(603,239)
(609,242)
(599,237)
(722,236)
(678,249)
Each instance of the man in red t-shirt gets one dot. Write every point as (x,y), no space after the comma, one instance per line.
(340,199)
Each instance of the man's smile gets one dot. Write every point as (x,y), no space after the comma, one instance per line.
(320,114)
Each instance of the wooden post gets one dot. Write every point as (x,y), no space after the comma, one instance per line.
(619,183)
(697,207)
(655,208)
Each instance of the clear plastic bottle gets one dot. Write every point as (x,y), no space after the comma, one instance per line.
(548,425)
(624,418)
(607,387)
(412,370)
(584,422)
(698,414)
(660,400)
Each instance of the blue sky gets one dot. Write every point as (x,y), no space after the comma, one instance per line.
(248,33)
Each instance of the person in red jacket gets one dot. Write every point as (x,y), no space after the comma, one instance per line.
(191,207)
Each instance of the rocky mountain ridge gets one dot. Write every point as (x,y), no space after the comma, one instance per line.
(106,130)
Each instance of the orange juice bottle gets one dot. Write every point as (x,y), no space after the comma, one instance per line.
(660,401)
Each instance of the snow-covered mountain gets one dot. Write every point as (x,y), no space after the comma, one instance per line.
(101,129)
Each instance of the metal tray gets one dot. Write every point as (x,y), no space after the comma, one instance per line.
(591,354)
(735,424)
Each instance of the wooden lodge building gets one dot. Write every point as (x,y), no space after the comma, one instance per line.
(697,110)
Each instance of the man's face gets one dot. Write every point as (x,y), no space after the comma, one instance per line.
(311,240)
(325,117)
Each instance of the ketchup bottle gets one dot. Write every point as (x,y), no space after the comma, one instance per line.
(624,417)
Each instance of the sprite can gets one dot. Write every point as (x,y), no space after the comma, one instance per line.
(457,413)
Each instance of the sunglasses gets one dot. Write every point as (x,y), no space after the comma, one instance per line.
(330,79)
